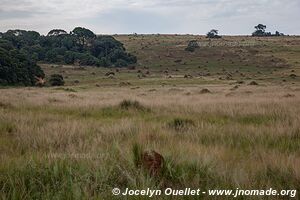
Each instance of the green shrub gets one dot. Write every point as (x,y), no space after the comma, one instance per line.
(56,80)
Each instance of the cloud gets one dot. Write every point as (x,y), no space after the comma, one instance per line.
(151,16)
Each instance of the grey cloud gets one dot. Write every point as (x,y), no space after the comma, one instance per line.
(151,16)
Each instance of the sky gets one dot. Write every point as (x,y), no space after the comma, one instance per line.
(230,17)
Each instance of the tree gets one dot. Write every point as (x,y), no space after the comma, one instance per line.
(213,34)
(260,30)
(21,38)
(69,42)
(83,34)
(57,32)
(261,27)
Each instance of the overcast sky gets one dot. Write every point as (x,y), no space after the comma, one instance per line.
(151,16)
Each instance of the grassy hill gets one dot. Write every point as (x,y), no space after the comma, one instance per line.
(272,60)
(258,58)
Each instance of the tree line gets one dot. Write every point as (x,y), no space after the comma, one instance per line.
(21,49)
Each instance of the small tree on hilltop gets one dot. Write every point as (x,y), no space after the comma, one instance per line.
(261,27)
(260,30)
(213,34)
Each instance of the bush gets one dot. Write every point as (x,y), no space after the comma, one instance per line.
(192,46)
(56,80)
(129,104)
(205,91)
(253,83)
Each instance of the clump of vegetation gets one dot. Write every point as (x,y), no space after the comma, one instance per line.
(253,83)
(205,91)
(240,82)
(5,105)
(7,127)
(129,104)
(180,124)
(213,34)
(289,95)
(235,87)
(192,46)
(80,46)
(20,50)
(137,154)
(188,76)
(56,80)
(110,73)
(16,68)
(261,31)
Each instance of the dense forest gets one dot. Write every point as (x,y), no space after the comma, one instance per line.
(20,50)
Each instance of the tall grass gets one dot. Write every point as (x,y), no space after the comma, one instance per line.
(81,148)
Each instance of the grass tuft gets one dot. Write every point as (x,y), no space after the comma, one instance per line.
(66,89)
(137,154)
(132,105)
(7,127)
(5,105)
(180,124)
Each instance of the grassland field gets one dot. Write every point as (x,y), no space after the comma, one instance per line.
(238,108)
